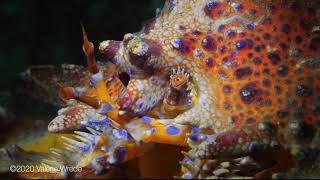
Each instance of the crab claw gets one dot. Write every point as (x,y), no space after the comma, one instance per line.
(70,118)
(247,141)
(97,150)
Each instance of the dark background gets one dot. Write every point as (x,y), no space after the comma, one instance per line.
(39,32)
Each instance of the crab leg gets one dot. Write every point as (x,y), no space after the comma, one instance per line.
(249,140)
(67,93)
(100,148)
(176,100)
(97,78)
(166,132)
(163,131)
(86,97)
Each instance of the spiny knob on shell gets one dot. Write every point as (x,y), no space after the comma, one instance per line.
(109,48)
(142,52)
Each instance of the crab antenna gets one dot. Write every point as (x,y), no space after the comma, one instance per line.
(88,49)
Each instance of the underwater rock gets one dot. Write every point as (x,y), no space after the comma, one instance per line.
(42,83)
(7,114)
(15,155)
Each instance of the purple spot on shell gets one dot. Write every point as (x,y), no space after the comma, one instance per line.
(238,7)
(243,72)
(153,79)
(172,130)
(285,28)
(277,89)
(237,19)
(221,27)
(177,43)
(257,61)
(209,62)
(230,33)
(227,89)
(248,94)
(196,32)
(181,45)
(249,43)
(274,58)
(250,26)
(267,21)
(121,153)
(180,27)
(240,44)
(266,71)
(146,119)
(252,12)
(172,4)
(140,105)
(266,36)
(283,46)
(282,70)
(222,49)
(226,105)
(211,5)
(233,53)
(131,72)
(209,44)
(266,82)
(226,62)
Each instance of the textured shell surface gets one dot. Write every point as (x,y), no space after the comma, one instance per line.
(251,61)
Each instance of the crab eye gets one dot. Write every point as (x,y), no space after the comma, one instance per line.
(178,80)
